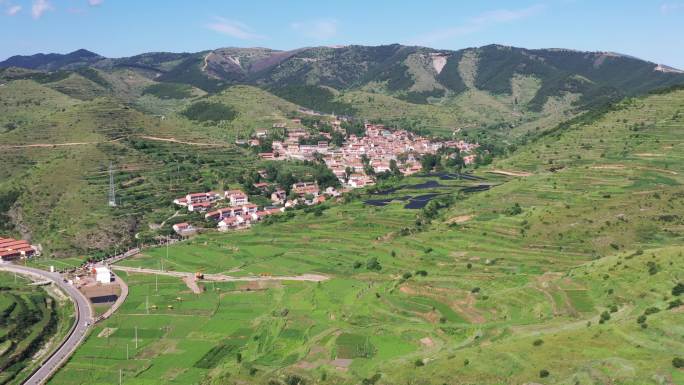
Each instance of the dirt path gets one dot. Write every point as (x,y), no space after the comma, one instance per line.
(191,282)
(226,278)
(510,173)
(50,145)
(171,217)
(148,137)
(174,140)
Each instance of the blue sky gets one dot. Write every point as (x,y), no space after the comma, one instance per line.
(649,29)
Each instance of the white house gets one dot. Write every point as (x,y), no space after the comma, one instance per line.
(103,274)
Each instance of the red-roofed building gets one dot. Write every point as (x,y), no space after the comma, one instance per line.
(11,249)
(199,207)
(236,197)
(184,229)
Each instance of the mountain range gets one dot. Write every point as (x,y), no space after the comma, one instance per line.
(415,74)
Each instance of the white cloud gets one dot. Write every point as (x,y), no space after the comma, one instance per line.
(233,28)
(671,7)
(478,23)
(321,29)
(39,7)
(13,10)
(94,3)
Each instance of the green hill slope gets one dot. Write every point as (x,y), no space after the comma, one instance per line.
(563,274)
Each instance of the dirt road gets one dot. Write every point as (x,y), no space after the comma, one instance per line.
(225,278)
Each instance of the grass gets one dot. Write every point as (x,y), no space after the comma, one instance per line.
(599,227)
(494,284)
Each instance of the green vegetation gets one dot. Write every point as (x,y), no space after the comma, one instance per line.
(560,269)
(208,111)
(169,90)
(561,263)
(29,319)
(314,97)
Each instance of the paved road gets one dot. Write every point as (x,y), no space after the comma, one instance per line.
(84,318)
(226,278)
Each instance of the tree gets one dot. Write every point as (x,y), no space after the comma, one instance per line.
(373,264)
(455,161)
(286,180)
(678,289)
(347,173)
(394,169)
(337,138)
(605,316)
(428,162)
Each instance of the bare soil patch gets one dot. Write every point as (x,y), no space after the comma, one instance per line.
(460,219)
(511,173)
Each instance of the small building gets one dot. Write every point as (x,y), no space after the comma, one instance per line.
(278,197)
(11,249)
(184,229)
(236,197)
(199,207)
(304,188)
(103,274)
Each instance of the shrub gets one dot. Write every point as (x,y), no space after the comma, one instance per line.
(641,319)
(475,290)
(678,289)
(422,273)
(651,310)
(294,380)
(613,308)
(419,362)
(373,264)
(514,210)
(169,90)
(605,316)
(538,342)
(676,303)
(678,362)
(209,112)
(544,373)
(407,275)
(357,264)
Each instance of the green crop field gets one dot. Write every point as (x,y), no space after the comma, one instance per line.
(558,262)
(569,270)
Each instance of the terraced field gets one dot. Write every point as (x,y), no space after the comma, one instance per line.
(560,277)
(32,321)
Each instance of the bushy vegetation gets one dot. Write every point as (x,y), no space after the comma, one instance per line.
(169,90)
(314,97)
(204,111)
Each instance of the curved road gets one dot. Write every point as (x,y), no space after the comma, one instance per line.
(84,318)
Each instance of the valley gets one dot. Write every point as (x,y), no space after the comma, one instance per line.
(512,216)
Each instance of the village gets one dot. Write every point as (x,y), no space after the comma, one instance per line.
(377,150)
(356,164)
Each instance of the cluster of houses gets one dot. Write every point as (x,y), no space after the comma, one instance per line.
(11,249)
(379,145)
(232,209)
